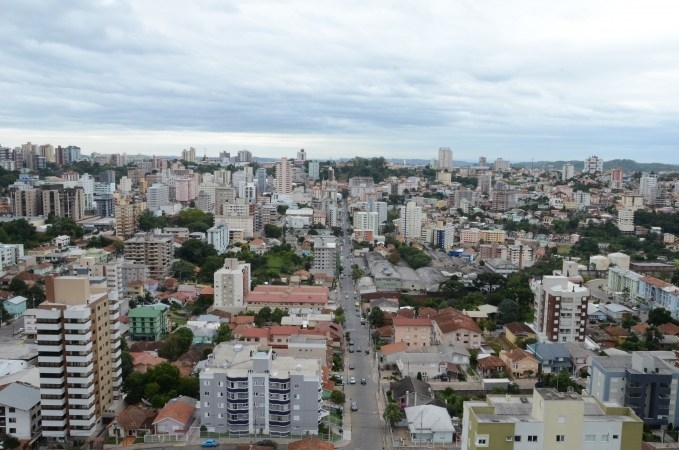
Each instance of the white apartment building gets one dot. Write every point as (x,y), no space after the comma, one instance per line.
(445,160)
(560,309)
(567,171)
(218,237)
(249,389)
(157,196)
(411,221)
(593,164)
(366,221)
(501,165)
(314,170)
(626,221)
(20,411)
(79,357)
(232,284)
(10,254)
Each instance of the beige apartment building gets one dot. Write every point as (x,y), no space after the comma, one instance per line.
(79,357)
(415,332)
(126,214)
(154,250)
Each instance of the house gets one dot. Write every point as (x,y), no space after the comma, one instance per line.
(20,411)
(581,357)
(142,361)
(387,305)
(518,330)
(452,327)
(176,416)
(428,364)
(429,424)
(520,363)
(460,356)
(595,314)
(390,352)
(616,311)
(486,366)
(410,391)
(667,329)
(15,306)
(618,333)
(553,357)
(415,332)
(133,421)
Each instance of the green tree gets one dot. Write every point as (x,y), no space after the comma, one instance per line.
(176,344)
(18,287)
(224,334)
(183,269)
(337,397)
(376,317)
(195,251)
(10,442)
(659,316)
(508,311)
(393,414)
(263,316)
(273,231)
(147,221)
(133,387)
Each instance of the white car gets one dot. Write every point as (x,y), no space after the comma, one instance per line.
(352,380)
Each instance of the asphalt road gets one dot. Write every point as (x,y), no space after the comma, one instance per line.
(366,431)
(8,332)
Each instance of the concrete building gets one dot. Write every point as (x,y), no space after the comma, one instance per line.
(189,155)
(567,172)
(626,221)
(647,382)
(218,237)
(248,389)
(79,357)
(593,164)
(549,420)
(20,411)
(283,182)
(10,255)
(232,284)
(415,332)
(325,255)
(445,159)
(617,176)
(126,215)
(148,323)
(314,170)
(411,221)
(157,196)
(560,309)
(501,165)
(154,250)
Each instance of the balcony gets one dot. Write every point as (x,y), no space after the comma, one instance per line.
(78,337)
(85,378)
(79,359)
(84,391)
(44,370)
(78,326)
(48,326)
(81,369)
(82,414)
(81,401)
(50,359)
(49,339)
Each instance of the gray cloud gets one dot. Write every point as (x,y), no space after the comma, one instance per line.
(511,79)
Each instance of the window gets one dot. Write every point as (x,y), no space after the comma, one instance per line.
(482,440)
(12,420)
(615,436)
(206,383)
(295,418)
(508,439)
(604,438)
(532,438)
(206,393)
(562,419)
(560,438)
(220,415)
(517,438)
(590,438)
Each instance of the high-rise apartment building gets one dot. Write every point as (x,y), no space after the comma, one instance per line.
(157,196)
(325,255)
(617,176)
(593,164)
(314,170)
(501,165)
(189,155)
(411,221)
(127,215)
(248,389)
(301,155)
(232,284)
(27,202)
(626,221)
(154,250)
(560,309)
(567,172)
(283,183)
(445,161)
(549,420)
(648,187)
(61,201)
(79,357)
(218,237)
(485,183)
(260,175)
(244,156)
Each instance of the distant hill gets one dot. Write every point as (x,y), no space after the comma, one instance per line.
(629,166)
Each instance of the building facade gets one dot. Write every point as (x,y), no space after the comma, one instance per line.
(153,250)
(232,284)
(560,309)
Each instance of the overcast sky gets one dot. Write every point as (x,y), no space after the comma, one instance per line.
(394,78)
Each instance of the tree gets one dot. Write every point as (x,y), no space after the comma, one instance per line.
(224,334)
(133,387)
(659,316)
(508,311)
(393,414)
(10,442)
(263,316)
(273,231)
(195,251)
(147,221)
(176,344)
(17,286)
(337,397)
(376,317)
(183,269)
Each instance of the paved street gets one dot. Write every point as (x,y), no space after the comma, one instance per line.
(366,430)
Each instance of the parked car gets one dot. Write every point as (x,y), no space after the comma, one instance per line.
(363,381)
(354,406)
(209,443)
(352,380)
(351,349)
(351,366)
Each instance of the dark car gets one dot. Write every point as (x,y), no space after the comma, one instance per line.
(367,351)
(351,349)
(363,381)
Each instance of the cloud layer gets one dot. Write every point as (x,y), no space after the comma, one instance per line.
(518,80)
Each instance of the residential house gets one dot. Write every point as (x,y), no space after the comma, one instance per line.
(452,327)
(618,333)
(428,363)
(518,330)
(488,365)
(15,306)
(390,352)
(581,357)
(387,305)
(595,313)
(415,332)
(133,421)
(429,424)
(553,357)
(409,391)
(616,311)
(460,356)
(669,329)
(520,363)
(142,361)
(176,416)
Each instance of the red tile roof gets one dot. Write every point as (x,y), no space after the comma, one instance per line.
(450,319)
(669,329)
(396,347)
(177,410)
(133,418)
(288,294)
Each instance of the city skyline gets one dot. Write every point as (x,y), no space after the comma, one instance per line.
(345,79)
